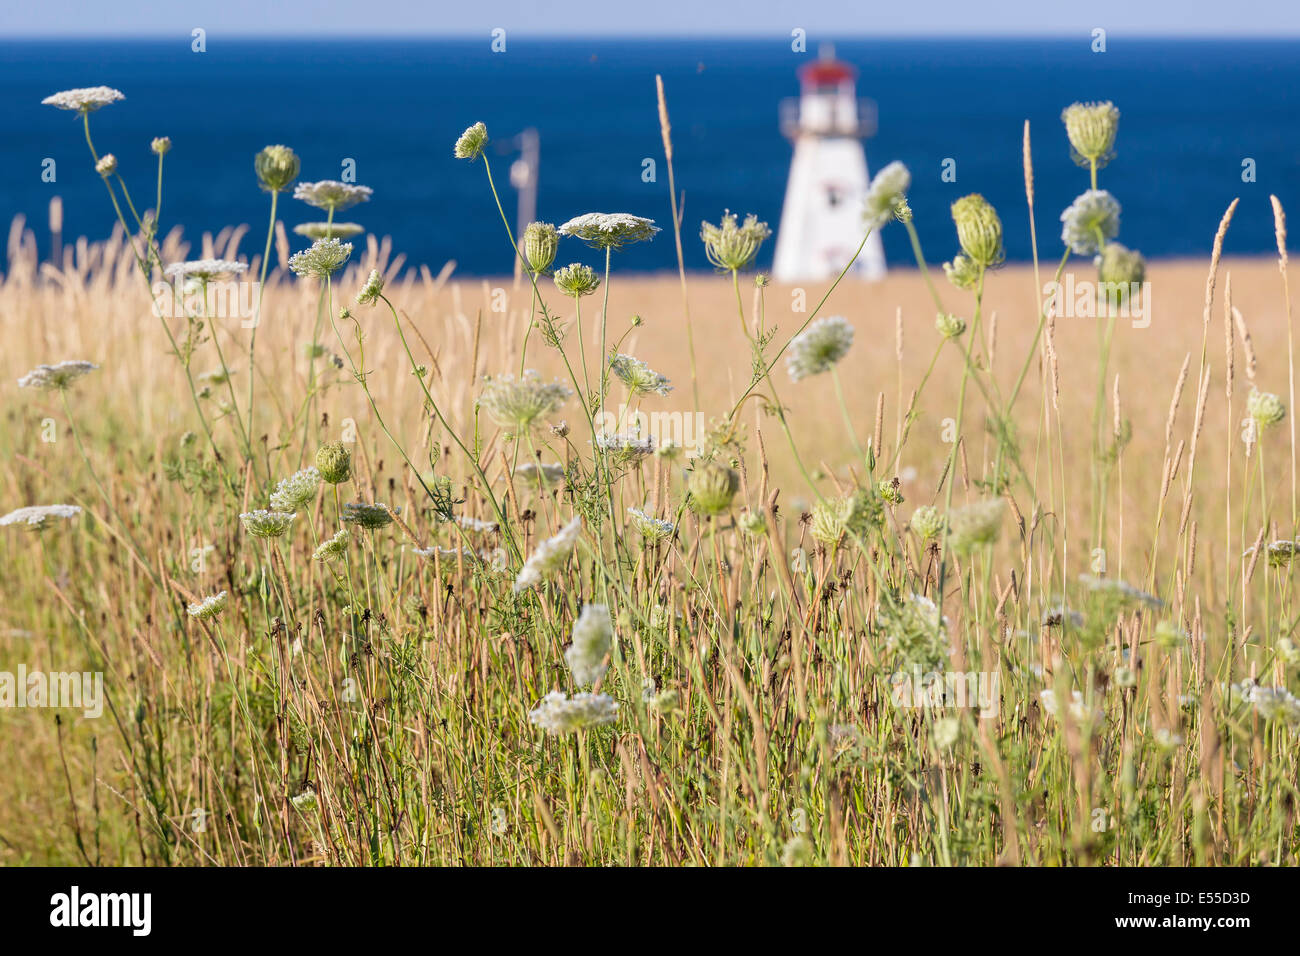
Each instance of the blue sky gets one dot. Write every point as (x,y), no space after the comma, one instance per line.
(648,17)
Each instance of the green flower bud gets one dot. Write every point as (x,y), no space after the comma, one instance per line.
(471,142)
(1120,269)
(1265,408)
(711,488)
(161,145)
(979,230)
(541,242)
(277,167)
(926,522)
(950,326)
(576,280)
(963,273)
(1091,128)
(334,462)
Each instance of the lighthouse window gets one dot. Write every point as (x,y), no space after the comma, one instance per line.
(832,196)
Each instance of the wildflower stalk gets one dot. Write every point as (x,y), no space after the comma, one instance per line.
(257,315)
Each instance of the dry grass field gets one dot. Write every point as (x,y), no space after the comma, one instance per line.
(1110,554)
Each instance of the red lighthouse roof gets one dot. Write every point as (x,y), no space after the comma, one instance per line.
(826,70)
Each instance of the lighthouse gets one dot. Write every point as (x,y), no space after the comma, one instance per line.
(821,220)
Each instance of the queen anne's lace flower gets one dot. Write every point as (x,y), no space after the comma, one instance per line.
(469,145)
(296,491)
(531,474)
(625,448)
(267,524)
(651,528)
(550,556)
(329,230)
(639,377)
(556,714)
(210,606)
(887,192)
(1091,129)
(370,517)
(819,347)
(576,280)
(56,377)
(609,230)
(519,402)
(730,246)
(593,636)
(333,547)
(975,524)
(1090,222)
(204,269)
(322,260)
(37,517)
(371,291)
(332,194)
(85,99)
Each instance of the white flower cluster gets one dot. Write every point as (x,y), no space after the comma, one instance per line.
(204,269)
(296,491)
(593,636)
(36,517)
(85,99)
(819,347)
(1269,702)
(557,714)
(210,606)
(56,377)
(550,556)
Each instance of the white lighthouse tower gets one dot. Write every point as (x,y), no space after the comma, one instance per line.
(821,220)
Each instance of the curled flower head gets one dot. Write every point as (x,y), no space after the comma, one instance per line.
(855,513)
(86,99)
(1282,553)
(534,474)
(469,145)
(334,462)
(639,377)
(276,167)
(963,272)
(371,291)
(333,547)
(979,230)
(330,194)
(1091,128)
(887,194)
(519,403)
(609,230)
(161,145)
(204,269)
(950,326)
(926,522)
(1265,408)
(976,524)
(711,487)
(210,606)
(625,447)
(1120,269)
(541,243)
(650,527)
(37,517)
(819,347)
(370,517)
(576,280)
(58,377)
(1090,222)
(557,714)
(297,491)
(107,165)
(915,632)
(267,524)
(593,637)
(328,230)
(752,523)
(730,246)
(305,802)
(551,555)
(322,260)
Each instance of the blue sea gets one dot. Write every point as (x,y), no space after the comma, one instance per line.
(1193,112)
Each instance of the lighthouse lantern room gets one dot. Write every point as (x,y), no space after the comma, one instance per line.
(821,220)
